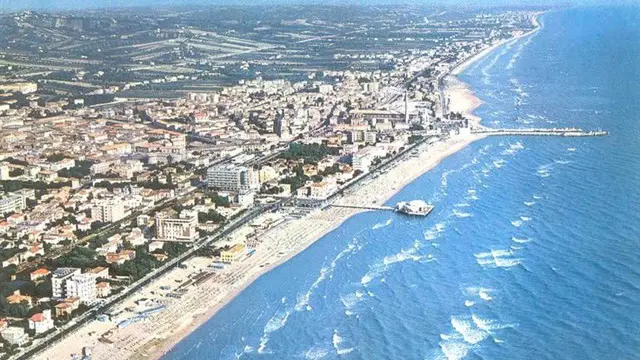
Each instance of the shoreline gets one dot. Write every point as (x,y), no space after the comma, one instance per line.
(411,169)
(157,336)
(462,97)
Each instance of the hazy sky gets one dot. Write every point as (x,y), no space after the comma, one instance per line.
(11,5)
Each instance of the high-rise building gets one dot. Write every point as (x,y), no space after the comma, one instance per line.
(108,212)
(59,279)
(230,177)
(82,286)
(182,228)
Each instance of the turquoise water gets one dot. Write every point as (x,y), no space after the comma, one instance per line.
(531,253)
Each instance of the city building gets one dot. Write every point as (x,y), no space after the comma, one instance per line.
(41,322)
(12,203)
(15,335)
(17,298)
(59,279)
(181,228)
(39,274)
(108,212)
(4,172)
(235,253)
(231,177)
(82,286)
(103,289)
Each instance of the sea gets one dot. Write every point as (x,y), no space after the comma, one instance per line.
(532,251)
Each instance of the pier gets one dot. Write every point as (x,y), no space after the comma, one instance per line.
(569,132)
(364,207)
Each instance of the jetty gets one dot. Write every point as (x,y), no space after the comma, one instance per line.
(364,207)
(414,207)
(569,132)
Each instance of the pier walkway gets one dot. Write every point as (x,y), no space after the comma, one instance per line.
(572,132)
(364,207)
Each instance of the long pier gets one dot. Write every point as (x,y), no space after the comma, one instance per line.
(569,132)
(364,207)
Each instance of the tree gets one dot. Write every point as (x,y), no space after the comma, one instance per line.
(78,257)
(212,216)
(16,172)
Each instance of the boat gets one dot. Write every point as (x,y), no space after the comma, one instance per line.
(414,207)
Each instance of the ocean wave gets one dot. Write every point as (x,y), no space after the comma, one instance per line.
(382,224)
(403,255)
(469,303)
(316,352)
(571,149)
(434,232)
(460,214)
(302,300)
(454,350)
(561,162)
(338,341)
(516,223)
(373,273)
(470,333)
(481,292)
(502,258)
(529,203)
(277,322)
(526,218)
(464,204)
(520,240)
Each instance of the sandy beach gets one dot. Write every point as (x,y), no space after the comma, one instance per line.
(461,97)
(152,337)
(210,290)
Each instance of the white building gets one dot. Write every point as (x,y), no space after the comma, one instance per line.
(82,286)
(362,161)
(230,177)
(181,228)
(41,322)
(4,172)
(15,335)
(12,203)
(59,279)
(108,212)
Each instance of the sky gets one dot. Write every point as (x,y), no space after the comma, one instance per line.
(12,5)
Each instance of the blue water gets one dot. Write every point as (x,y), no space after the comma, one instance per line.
(531,253)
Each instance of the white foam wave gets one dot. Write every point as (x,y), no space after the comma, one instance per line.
(520,240)
(469,303)
(381,225)
(277,322)
(484,294)
(470,333)
(460,214)
(481,292)
(302,301)
(316,352)
(529,203)
(434,232)
(454,350)
(501,258)
(516,223)
(337,341)
(526,218)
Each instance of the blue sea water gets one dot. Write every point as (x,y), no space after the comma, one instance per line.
(531,252)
